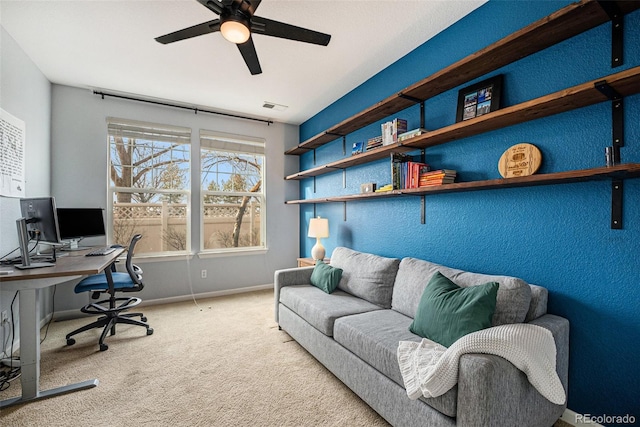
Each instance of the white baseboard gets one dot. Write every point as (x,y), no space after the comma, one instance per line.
(206,295)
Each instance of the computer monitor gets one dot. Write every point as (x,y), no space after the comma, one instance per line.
(77,223)
(39,222)
(42,219)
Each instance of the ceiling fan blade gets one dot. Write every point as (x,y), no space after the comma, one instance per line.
(272,28)
(250,56)
(187,33)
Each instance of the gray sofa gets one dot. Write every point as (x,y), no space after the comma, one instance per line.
(354,332)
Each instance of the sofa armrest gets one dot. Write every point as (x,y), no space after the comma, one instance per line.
(492,391)
(288,277)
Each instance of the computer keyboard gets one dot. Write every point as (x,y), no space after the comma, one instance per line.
(100,251)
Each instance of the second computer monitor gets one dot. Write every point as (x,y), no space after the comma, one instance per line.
(77,223)
(41,219)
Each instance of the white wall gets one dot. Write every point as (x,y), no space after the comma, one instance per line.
(26,94)
(79,179)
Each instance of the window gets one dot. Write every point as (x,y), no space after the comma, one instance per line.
(233,196)
(149,168)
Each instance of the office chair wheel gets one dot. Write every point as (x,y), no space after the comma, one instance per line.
(143,318)
(71,341)
(104,347)
(150,331)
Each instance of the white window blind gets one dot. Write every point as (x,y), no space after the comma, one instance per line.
(231,143)
(148,131)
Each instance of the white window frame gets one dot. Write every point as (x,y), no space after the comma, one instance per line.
(182,135)
(233,143)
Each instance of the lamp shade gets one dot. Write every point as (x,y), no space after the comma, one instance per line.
(318,227)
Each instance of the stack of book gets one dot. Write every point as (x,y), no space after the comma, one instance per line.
(410,134)
(437,177)
(387,187)
(406,171)
(391,130)
(374,142)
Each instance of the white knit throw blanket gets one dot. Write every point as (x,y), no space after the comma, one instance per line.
(430,369)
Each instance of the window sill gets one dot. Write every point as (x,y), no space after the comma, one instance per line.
(234,252)
(143,258)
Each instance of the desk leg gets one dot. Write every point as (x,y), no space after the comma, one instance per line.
(30,354)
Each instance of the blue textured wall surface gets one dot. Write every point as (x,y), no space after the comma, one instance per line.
(557,236)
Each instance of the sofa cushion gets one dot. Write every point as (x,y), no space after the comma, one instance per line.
(374,337)
(321,309)
(512,302)
(325,277)
(367,276)
(538,307)
(447,312)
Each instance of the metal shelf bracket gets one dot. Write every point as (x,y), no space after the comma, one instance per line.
(617,116)
(617,132)
(616,204)
(617,30)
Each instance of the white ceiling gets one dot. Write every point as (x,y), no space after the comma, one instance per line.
(109,45)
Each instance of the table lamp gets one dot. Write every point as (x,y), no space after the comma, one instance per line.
(318,228)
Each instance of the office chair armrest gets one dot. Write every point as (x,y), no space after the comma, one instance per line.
(137,269)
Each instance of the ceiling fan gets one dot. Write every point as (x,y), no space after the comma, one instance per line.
(237,22)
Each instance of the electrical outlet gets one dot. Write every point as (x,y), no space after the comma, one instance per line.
(203,274)
(4,317)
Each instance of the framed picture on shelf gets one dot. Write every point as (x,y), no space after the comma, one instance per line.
(478,99)
(358,148)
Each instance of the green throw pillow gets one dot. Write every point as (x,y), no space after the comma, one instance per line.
(447,311)
(325,277)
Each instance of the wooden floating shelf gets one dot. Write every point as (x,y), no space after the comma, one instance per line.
(561,25)
(627,170)
(625,83)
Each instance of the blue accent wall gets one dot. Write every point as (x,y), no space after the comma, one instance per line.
(556,236)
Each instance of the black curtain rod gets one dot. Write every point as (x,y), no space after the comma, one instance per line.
(166,104)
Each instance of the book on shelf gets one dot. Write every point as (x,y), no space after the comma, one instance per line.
(437,177)
(358,148)
(374,142)
(387,187)
(406,170)
(410,134)
(391,130)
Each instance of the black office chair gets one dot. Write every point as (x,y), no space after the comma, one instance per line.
(110,310)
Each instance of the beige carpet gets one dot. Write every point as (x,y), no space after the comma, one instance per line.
(222,362)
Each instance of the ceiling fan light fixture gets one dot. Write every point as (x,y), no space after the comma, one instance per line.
(235,30)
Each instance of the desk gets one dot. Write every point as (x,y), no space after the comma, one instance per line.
(27,283)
